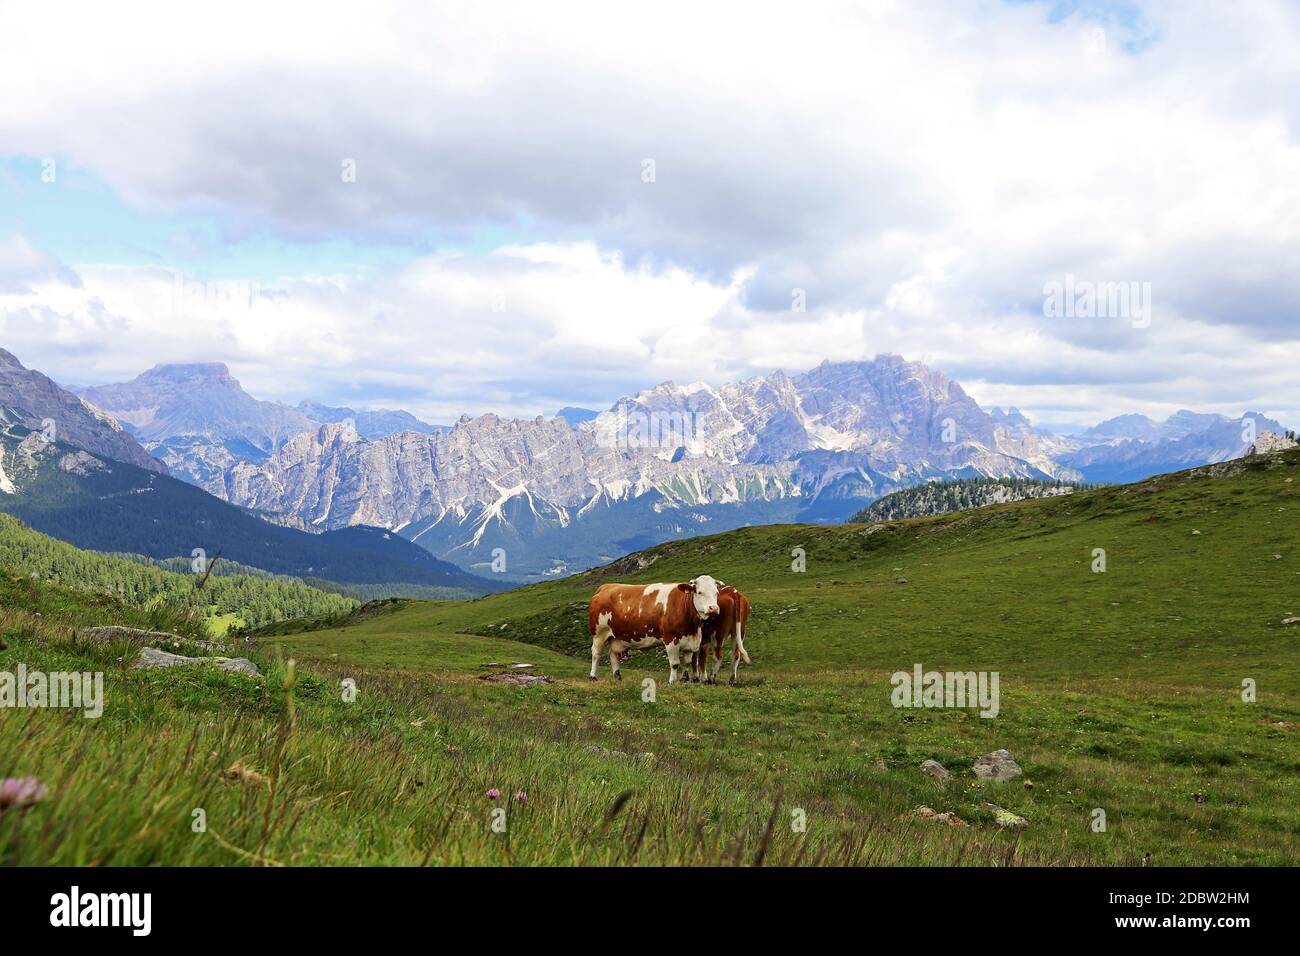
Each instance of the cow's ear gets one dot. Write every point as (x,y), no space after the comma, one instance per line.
(688,587)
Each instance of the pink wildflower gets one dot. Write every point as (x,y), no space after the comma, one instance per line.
(21,792)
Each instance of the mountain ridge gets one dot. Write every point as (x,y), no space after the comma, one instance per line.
(548,495)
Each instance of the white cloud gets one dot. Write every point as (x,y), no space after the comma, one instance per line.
(920,170)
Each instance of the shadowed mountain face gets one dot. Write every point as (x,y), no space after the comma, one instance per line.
(30,400)
(110,505)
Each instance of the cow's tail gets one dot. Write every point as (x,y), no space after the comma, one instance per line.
(740,645)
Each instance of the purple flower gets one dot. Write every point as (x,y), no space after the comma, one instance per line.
(493,793)
(20,792)
(521,797)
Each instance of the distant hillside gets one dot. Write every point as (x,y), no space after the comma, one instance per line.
(112,506)
(254,599)
(941,497)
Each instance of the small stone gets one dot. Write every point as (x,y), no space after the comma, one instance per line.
(997,766)
(935,770)
(928,813)
(1291,620)
(901,581)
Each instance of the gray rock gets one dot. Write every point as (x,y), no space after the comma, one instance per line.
(998,766)
(523,680)
(114,632)
(936,770)
(1267,442)
(152,657)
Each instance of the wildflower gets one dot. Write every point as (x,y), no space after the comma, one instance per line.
(21,792)
(493,793)
(521,797)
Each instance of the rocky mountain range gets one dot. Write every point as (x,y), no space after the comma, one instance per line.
(198,420)
(530,498)
(670,461)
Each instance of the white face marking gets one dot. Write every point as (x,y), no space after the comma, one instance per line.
(660,591)
(706,595)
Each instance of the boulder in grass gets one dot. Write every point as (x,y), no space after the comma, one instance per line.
(997,766)
(115,632)
(935,770)
(152,657)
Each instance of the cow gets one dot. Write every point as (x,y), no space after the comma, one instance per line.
(642,615)
(731,621)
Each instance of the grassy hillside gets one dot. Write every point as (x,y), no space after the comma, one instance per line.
(232,594)
(1119,690)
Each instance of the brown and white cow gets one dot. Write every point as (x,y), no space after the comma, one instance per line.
(732,620)
(642,615)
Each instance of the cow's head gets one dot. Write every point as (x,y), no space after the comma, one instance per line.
(704,590)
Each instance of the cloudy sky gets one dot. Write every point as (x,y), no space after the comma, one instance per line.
(514,207)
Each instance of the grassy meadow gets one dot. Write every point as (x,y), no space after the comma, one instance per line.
(1120,690)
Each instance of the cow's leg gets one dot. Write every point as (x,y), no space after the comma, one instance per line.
(674,661)
(717,659)
(691,648)
(615,656)
(603,634)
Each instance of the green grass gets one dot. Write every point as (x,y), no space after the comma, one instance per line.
(1119,690)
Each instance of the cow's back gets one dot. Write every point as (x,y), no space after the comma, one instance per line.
(629,608)
(721,624)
